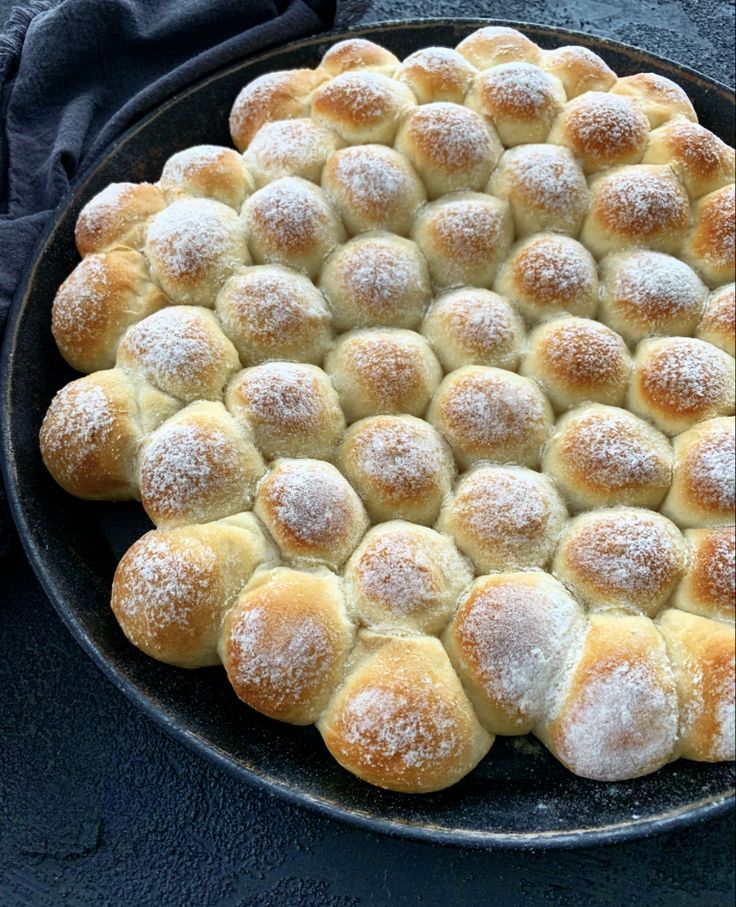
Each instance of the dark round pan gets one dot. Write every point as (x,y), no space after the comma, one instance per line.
(519,796)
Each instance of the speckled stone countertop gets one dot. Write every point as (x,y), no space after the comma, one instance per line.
(100,807)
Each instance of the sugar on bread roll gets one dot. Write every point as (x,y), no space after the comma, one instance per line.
(182,351)
(643,205)
(617,717)
(193,246)
(172,588)
(601,130)
(464,236)
(291,409)
(400,467)
(311,511)
(373,188)
(437,74)
(548,274)
(405,576)
(472,326)
(491,414)
(358,54)
(504,517)
(702,492)
(718,323)
(644,293)
(678,381)
(401,719)
(624,559)
(660,98)
(451,147)
(284,643)
(207,171)
(376,279)
(710,247)
(493,44)
(290,222)
(701,652)
(545,187)
(98,301)
(198,466)
(575,360)
(296,147)
(601,456)
(709,586)
(91,431)
(117,216)
(507,641)
(362,106)
(579,69)
(520,99)
(703,162)
(382,371)
(274,96)
(272,312)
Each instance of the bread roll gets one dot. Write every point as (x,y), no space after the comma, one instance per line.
(601,456)
(575,360)
(376,279)
(520,99)
(507,641)
(117,216)
(437,74)
(579,69)
(491,414)
(207,171)
(702,492)
(644,293)
(290,222)
(200,465)
(285,642)
(678,381)
(401,719)
(545,187)
(182,351)
(702,161)
(193,247)
(474,327)
(619,716)
(272,312)
(504,517)
(702,655)
(399,466)
(358,54)
(709,587)
(660,98)
(386,371)
(172,589)
(311,512)
(643,205)
(451,147)
(718,324)
(624,559)
(405,576)
(373,188)
(710,245)
(464,237)
(103,296)
(362,107)
(494,44)
(548,274)
(291,409)
(273,96)
(297,147)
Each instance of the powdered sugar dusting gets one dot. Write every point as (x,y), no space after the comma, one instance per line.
(374,179)
(638,203)
(190,236)
(399,458)
(548,178)
(709,471)
(517,89)
(289,213)
(451,137)
(655,290)
(686,376)
(505,508)
(585,354)
(554,270)
(603,127)
(83,417)
(284,396)
(398,571)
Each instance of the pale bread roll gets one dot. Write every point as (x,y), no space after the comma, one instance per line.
(718,324)
(579,69)
(207,171)
(117,216)
(660,98)
(493,44)
(358,54)
(437,74)
(709,587)
(710,247)
(702,161)
(296,147)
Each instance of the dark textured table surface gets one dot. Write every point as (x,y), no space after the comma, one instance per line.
(100,807)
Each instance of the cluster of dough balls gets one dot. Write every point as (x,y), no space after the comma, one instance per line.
(428,389)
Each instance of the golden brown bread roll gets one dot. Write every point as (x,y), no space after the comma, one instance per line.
(660,98)
(436,74)
(718,324)
(710,247)
(100,299)
(285,642)
(284,148)
(504,517)
(207,171)
(358,54)
(405,576)
(399,466)
(709,587)
(401,719)
(493,44)
(117,216)
(507,641)
(579,69)
(702,161)
(172,589)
